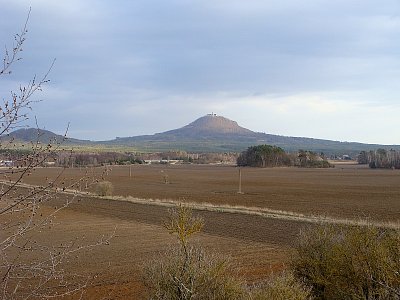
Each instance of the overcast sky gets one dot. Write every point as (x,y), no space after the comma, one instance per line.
(314,68)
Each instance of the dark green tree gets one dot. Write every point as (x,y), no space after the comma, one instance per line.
(264,156)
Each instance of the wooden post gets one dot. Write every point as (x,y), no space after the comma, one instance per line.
(240,181)
(130,171)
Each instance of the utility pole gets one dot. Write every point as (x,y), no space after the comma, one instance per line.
(240,181)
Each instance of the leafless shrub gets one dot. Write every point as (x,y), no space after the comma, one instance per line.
(187,271)
(284,286)
(104,188)
(192,274)
(349,262)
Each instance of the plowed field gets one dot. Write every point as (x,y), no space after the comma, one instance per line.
(344,192)
(257,244)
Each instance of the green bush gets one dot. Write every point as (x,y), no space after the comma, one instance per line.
(349,262)
(104,188)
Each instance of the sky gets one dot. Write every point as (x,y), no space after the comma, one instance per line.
(311,68)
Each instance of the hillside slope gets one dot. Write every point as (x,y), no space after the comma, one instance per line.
(25,135)
(210,133)
(213,133)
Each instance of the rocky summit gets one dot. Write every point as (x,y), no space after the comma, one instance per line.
(210,125)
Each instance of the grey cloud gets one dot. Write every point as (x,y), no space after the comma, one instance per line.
(145,53)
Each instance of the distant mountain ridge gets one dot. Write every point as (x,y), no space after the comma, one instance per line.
(210,133)
(26,135)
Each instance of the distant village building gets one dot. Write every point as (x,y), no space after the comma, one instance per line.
(163,161)
(6,163)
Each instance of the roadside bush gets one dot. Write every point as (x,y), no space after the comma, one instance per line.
(284,286)
(104,188)
(187,271)
(349,262)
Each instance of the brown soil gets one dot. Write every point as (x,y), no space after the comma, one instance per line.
(257,245)
(347,191)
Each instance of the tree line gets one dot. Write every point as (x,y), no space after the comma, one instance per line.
(65,158)
(264,156)
(380,158)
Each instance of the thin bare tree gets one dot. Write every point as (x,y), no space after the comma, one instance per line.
(30,268)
